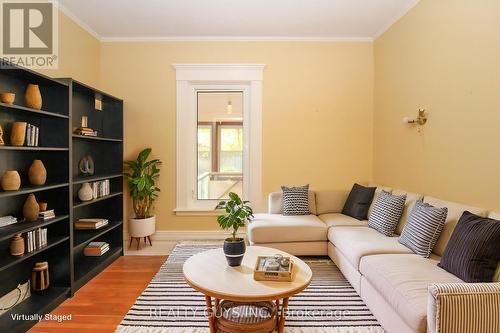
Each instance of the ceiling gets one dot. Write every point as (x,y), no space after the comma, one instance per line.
(116,20)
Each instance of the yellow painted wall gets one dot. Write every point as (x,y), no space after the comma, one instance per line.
(444,56)
(317,110)
(79,53)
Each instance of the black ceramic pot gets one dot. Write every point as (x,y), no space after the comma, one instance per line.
(234,249)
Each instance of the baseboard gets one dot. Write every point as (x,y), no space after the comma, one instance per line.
(164,241)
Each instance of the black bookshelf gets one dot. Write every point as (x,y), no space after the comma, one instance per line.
(54,151)
(65,101)
(106,150)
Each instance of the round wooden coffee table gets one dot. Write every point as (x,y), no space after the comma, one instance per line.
(209,273)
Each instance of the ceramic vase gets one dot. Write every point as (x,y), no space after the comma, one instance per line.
(17,245)
(37,174)
(85,192)
(7,98)
(33,97)
(1,135)
(31,209)
(18,133)
(11,181)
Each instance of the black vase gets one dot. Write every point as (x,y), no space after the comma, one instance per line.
(234,249)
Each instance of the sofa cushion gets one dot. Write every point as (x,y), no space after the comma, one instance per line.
(358,201)
(455,211)
(295,200)
(275,202)
(386,213)
(357,242)
(424,226)
(330,201)
(276,228)
(402,279)
(473,252)
(339,219)
(411,198)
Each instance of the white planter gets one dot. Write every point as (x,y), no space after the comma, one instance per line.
(142,227)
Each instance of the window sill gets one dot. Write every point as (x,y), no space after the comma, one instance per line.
(195,212)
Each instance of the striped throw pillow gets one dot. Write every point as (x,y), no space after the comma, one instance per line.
(424,226)
(386,213)
(296,200)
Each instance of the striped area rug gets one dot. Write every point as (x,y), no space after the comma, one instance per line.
(329,305)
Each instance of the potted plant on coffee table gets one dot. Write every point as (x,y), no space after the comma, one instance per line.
(238,212)
(142,176)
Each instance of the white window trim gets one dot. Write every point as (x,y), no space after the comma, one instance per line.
(198,77)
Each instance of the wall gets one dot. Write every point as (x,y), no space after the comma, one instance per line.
(317,110)
(79,53)
(443,55)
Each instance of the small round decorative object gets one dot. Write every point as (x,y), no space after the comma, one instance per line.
(33,97)
(37,173)
(7,98)
(85,192)
(17,245)
(18,133)
(11,181)
(86,165)
(31,208)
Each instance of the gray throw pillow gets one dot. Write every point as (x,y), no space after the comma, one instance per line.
(424,226)
(387,211)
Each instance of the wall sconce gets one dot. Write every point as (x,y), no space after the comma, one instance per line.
(420,120)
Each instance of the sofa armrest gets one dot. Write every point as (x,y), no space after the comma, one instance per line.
(463,307)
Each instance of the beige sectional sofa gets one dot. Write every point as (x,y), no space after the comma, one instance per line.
(403,289)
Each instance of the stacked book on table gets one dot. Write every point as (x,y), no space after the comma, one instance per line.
(36,239)
(7,220)
(47,214)
(96,249)
(90,224)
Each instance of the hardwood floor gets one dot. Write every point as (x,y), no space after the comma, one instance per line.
(100,305)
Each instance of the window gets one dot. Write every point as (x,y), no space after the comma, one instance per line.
(218,153)
(220,144)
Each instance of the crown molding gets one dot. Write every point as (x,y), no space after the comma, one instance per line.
(235,39)
(396,18)
(75,19)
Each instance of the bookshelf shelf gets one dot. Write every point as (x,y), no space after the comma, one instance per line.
(95,138)
(33,148)
(22,227)
(79,204)
(81,180)
(32,189)
(88,267)
(83,237)
(8,261)
(10,107)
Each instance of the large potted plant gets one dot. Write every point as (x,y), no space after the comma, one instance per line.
(238,212)
(142,176)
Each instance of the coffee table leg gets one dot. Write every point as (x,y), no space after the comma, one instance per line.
(284,307)
(210,314)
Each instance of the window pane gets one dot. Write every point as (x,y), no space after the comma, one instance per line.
(220,144)
(231,149)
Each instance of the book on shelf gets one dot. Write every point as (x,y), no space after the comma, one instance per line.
(85,131)
(32,134)
(95,249)
(36,239)
(47,215)
(100,188)
(7,220)
(83,224)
